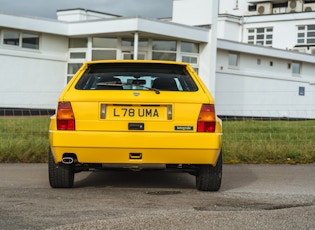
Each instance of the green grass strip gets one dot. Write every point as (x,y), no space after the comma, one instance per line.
(251,141)
(25,139)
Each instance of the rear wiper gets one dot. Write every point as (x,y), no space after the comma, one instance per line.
(113,83)
(149,88)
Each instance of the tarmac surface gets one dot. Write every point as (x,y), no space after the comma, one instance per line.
(251,197)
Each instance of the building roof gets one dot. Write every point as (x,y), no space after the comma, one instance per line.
(261,1)
(87,10)
(264,51)
(119,25)
(148,27)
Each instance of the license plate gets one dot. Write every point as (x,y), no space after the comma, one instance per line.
(136,112)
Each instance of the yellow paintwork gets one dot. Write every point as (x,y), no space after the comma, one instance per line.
(97,140)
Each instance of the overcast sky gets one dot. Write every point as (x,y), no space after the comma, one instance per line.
(48,8)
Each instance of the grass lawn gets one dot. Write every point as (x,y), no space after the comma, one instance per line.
(25,139)
(251,141)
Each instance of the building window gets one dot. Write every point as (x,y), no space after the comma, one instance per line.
(190,53)
(77,55)
(164,56)
(129,42)
(19,39)
(191,60)
(260,36)
(78,50)
(233,60)
(164,50)
(30,41)
(104,43)
(104,48)
(130,56)
(72,69)
(306,35)
(296,68)
(164,45)
(78,43)
(104,54)
(252,8)
(189,47)
(11,38)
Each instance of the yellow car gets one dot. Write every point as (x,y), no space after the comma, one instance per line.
(136,115)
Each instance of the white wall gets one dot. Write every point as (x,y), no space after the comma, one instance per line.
(229,28)
(235,7)
(201,13)
(262,90)
(38,76)
(54,45)
(33,78)
(284,27)
(240,95)
(194,12)
(30,83)
(234,21)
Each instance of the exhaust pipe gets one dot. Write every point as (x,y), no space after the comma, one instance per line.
(67,160)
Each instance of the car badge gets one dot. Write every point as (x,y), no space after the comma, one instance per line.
(136,94)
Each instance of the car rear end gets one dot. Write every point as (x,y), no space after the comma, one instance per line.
(137,115)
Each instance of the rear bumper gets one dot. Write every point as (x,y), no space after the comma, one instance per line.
(137,147)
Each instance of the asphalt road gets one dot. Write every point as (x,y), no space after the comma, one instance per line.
(251,197)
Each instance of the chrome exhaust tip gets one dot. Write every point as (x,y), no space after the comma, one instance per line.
(67,160)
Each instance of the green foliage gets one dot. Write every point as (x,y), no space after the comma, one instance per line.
(26,140)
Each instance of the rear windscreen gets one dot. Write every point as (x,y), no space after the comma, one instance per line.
(136,76)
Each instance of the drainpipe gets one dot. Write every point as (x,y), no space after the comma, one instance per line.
(135,47)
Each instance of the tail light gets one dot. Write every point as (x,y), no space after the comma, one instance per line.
(65,116)
(207,119)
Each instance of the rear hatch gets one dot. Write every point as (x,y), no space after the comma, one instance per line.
(105,111)
(136,97)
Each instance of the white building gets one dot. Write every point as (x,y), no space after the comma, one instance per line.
(270,69)
(256,63)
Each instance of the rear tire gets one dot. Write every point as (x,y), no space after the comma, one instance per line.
(209,178)
(60,175)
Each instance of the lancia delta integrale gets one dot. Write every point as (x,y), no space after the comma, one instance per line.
(136,115)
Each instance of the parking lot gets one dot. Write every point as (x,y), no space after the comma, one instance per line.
(251,197)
